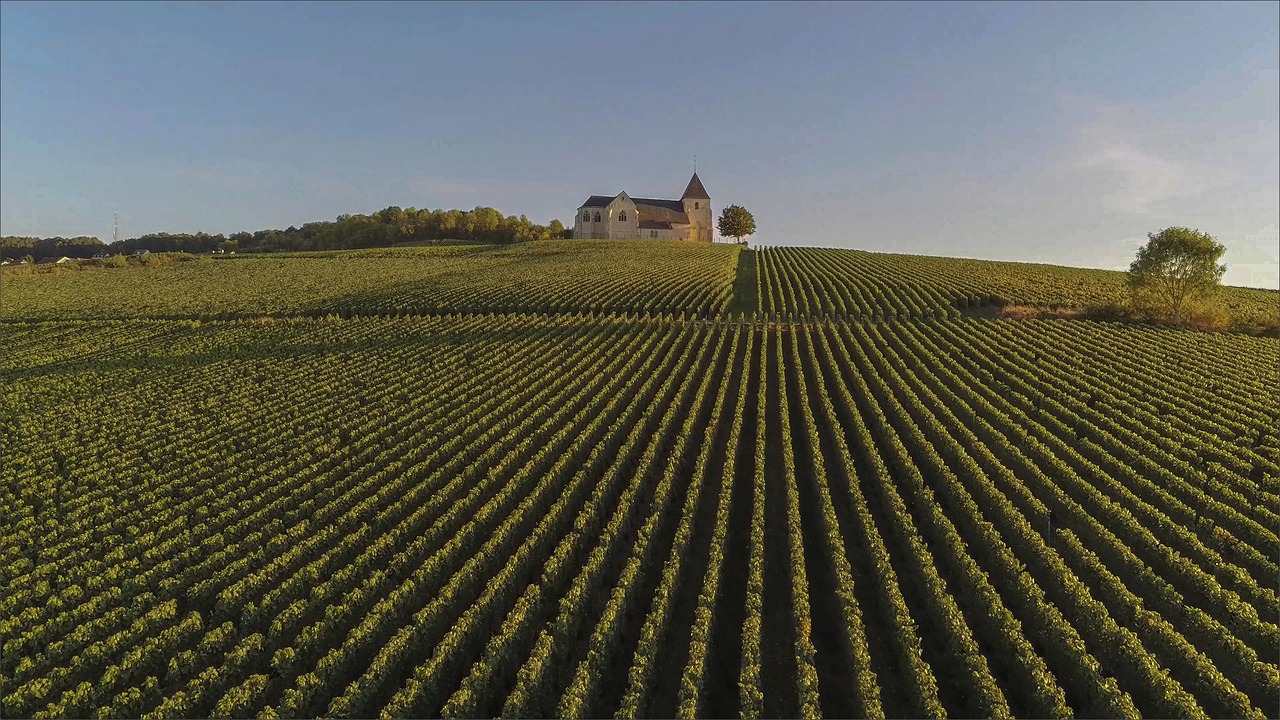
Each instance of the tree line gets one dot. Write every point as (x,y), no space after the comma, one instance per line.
(383,228)
(16,246)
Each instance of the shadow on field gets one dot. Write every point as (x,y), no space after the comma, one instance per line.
(745,296)
(294,339)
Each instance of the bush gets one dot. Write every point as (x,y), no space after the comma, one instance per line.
(155,260)
(1115,312)
(1259,329)
(1206,316)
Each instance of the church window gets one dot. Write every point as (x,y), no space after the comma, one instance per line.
(597,217)
(622,216)
(695,206)
(653,233)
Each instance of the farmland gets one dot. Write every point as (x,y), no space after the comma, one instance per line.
(863,285)
(536,277)
(577,276)
(563,480)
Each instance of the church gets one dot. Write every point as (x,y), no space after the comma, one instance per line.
(622,217)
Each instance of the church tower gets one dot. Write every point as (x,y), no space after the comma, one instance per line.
(697,205)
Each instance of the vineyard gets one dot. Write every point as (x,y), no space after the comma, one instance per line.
(571,276)
(545,277)
(863,285)
(559,487)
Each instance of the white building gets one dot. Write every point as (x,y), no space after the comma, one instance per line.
(622,217)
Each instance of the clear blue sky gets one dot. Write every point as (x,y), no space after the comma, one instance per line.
(1040,132)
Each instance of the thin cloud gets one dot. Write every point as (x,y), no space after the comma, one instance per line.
(1131,179)
(1255,259)
(1138,161)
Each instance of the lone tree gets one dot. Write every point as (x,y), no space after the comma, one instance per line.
(736,222)
(1176,265)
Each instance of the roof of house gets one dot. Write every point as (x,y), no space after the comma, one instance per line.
(694,190)
(661,211)
(51,260)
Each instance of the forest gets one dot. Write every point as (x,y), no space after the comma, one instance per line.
(384,228)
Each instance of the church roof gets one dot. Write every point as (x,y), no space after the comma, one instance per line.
(661,211)
(672,205)
(695,191)
(654,225)
(598,201)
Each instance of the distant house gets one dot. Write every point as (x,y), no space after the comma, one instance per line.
(53,260)
(140,252)
(100,256)
(4,262)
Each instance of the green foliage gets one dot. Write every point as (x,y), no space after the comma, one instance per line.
(13,246)
(499,496)
(736,222)
(600,276)
(383,228)
(71,268)
(858,285)
(1176,265)
(552,276)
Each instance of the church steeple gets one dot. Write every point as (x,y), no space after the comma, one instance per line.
(694,190)
(697,206)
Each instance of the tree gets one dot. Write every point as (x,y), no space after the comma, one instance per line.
(1176,265)
(483,225)
(737,222)
(392,215)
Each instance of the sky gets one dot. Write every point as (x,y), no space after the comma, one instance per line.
(1039,132)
